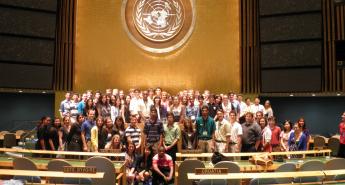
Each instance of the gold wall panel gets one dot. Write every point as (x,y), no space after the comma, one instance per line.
(105,57)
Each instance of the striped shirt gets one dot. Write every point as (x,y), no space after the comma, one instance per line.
(134,133)
(153,131)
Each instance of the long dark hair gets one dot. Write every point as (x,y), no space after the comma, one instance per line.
(304,126)
(190,129)
(87,107)
(122,127)
(290,123)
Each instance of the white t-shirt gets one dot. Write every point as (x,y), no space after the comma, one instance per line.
(243,108)
(266,135)
(235,131)
(145,107)
(135,105)
(256,108)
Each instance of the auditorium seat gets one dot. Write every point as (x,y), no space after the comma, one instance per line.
(23,163)
(19,132)
(312,165)
(286,167)
(103,165)
(333,144)
(213,182)
(57,165)
(232,168)
(258,181)
(319,142)
(188,166)
(335,164)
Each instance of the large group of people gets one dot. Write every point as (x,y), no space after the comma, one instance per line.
(151,126)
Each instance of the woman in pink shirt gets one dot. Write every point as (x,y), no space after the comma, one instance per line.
(285,135)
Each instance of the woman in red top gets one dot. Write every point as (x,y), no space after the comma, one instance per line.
(341,152)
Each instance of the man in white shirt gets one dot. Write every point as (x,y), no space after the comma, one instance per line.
(257,106)
(145,106)
(222,133)
(235,134)
(136,103)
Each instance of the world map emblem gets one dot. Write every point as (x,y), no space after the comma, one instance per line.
(158,26)
(158,20)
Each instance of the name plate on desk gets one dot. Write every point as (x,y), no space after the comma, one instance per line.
(210,171)
(191,151)
(74,169)
(110,150)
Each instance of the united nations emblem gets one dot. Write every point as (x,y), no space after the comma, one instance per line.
(158,25)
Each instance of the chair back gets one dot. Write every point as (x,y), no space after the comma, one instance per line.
(212,182)
(334,164)
(188,166)
(19,132)
(286,167)
(4,132)
(23,163)
(310,166)
(10,140)
(258,181)
(105,165)
(232,168)
(319,142)
(57,165)
(333,144)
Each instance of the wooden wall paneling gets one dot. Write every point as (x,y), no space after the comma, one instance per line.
(64,64)
(249,53)
(334,23)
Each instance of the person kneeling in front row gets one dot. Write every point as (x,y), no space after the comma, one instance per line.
(163,168)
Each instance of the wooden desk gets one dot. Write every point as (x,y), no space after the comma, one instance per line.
(18,150)
(258,175)
(31,173)
(246,166)
(334,172)
(41,163)
(207,155)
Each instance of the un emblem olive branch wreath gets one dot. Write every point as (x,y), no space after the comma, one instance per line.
(144,28)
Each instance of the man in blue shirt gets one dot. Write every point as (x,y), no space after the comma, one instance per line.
(205,128)
(86,130)
(81,104)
